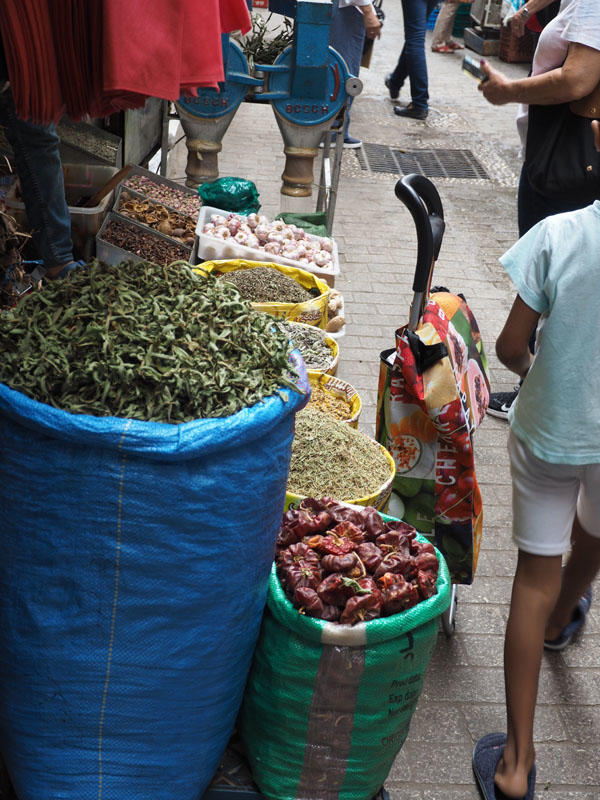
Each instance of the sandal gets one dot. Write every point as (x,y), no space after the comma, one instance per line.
(577,622)
(486,755)
(442,48)
(455,45)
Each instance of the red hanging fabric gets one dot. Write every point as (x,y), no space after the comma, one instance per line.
(100,56)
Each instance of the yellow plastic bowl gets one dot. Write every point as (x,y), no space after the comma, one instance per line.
(379,499)
(339,388)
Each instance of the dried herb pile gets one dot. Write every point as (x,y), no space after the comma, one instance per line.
(310,341)
(266,285)
(156,343)
(330,458)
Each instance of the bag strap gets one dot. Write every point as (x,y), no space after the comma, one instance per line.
(588,106)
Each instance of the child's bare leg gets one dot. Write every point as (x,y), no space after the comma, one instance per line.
(581,569)
(535,589)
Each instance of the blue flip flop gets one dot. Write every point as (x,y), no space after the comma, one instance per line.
(486,755)
(577,622)
(66,269)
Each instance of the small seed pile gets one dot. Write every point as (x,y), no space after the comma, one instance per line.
(147,245)
(332,459)
(178,200)
(323,400)
(266,285)
(148,342)
(310,341)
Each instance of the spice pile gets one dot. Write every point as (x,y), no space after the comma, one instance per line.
(336,406)
(267,285)
(157,216)
(153,343)
(177,199)
(148,246)
(347,565)
(310,341)
(330,458)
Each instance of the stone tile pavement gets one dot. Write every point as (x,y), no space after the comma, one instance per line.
(463,694)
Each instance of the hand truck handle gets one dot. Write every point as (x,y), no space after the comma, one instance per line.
(421,198)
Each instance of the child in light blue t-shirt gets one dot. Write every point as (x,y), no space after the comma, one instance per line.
(554,448)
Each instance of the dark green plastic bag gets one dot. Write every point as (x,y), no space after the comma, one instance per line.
(311,222)
(230,194)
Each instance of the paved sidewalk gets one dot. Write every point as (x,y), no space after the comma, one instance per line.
(463,695)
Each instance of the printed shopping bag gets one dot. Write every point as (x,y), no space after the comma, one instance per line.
(433,393)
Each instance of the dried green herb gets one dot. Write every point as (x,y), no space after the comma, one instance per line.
(157,343)
(332,459)
(264,44)
(266,285)
(310,341)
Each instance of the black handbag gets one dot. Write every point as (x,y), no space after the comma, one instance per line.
(560,158)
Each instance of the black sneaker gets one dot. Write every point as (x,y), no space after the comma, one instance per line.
(500,403)
(392,88)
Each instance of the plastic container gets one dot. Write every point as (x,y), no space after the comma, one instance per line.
(111,254)
(209,249)
(379,499)
(339,388)
(81,181)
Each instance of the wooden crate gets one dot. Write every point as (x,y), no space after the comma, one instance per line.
(516,49)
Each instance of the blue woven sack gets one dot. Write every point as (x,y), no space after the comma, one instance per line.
(134,565)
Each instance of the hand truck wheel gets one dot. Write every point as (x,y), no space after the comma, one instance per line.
(449,615)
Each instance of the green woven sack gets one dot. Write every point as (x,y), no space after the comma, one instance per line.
(327,707)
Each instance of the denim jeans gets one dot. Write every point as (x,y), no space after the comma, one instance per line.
(412,63)
(38,165)
(347,36)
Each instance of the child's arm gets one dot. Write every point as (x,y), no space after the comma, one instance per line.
(512,346)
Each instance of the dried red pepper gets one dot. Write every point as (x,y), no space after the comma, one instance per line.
(397,593)
(308,602)
(396,563)
(345,564)
(335,589)
(361,608)
(370,555)
(348,564)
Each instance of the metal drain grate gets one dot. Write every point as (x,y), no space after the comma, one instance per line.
(433,163)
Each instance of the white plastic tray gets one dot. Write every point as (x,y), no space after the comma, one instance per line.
(211,249)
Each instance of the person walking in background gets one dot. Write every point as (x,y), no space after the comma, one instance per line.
(566,67)
(555,467)
(352,21)
(412,63)
(442,41)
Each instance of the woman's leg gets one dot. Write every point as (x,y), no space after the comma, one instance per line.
(416,13)
(442,32)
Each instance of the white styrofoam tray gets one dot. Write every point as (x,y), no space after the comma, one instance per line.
(212,249)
